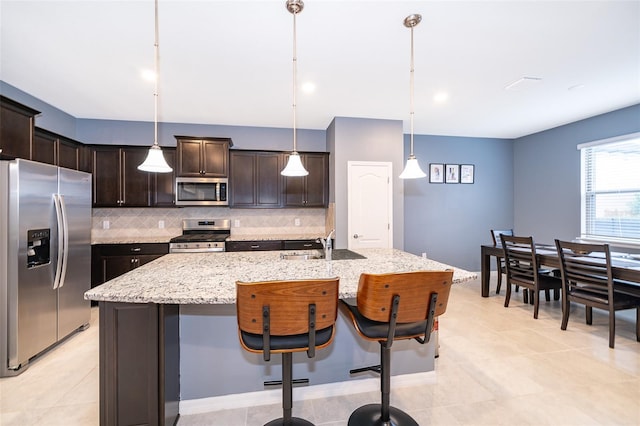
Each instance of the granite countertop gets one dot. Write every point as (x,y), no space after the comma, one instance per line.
(209,278)
(270,237)
(132,240)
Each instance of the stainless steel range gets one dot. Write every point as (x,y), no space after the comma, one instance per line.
(201,235)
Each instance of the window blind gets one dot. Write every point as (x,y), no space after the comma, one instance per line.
(611,190)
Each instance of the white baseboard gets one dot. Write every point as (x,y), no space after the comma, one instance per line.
(250,399)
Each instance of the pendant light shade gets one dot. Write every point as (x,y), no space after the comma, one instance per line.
(412,170)
(155,161)
(294,166)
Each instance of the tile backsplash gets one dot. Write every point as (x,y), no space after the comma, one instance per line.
(146,222)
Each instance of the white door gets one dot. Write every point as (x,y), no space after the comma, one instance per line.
(370,209)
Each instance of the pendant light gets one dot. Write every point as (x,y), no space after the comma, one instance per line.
(155,161)
(294,166)
(412,170)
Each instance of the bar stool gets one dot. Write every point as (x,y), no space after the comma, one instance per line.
(286,317)
(395,307)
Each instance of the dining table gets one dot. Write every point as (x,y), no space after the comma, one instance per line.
(625,267)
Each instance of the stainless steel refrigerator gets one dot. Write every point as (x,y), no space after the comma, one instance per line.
(45,258)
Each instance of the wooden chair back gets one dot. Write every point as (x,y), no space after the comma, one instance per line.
(288,303)
(520,260)
(586,268)
(376,291)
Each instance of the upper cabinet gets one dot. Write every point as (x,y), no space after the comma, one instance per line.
(117,182)
(255,180)
(16,128)
(203,157)
(311,190)
(52,148)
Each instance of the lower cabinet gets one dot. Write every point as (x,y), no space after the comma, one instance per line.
(262,245)
(109,261)
(139,364)
(265,245)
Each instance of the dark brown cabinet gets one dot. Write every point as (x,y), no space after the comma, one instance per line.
(311,190)
(51,148)
(255,179)
(109,261)
(261,245)
(139,364)
(16,129)
(117,182)
(163,184)
(203,157)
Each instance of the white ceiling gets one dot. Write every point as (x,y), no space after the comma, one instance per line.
(230,62)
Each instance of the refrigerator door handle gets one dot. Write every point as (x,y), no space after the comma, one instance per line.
(63,241)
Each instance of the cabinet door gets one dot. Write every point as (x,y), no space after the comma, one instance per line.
(317,182)
(242,180)
(164,183)
(106,177)
(136,184)
(68,154)
(16,129)
(44,147)
(114,266)
(189,164)
(214,158)
(268,179)
(311,190)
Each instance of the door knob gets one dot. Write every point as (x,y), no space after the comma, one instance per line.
(355,236)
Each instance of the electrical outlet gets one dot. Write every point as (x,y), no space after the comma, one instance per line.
(161,224)
(296,221)
(236,223)
(105,224)
(424,255)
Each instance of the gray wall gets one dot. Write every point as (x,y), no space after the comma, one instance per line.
(449,222)
(363,139)
(547,173)
(118,132)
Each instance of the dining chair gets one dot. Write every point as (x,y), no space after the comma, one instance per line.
(286,317)
(389,307)
(587,279)
(500,266)
(523,270)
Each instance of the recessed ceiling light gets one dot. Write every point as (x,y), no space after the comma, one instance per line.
(148,75)
(523,83)
(308,87)
(441,97)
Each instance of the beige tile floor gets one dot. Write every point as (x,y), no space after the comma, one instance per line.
(497,366)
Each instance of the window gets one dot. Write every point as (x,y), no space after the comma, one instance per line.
(611,190)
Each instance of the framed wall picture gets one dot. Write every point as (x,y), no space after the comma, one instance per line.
(466,173)
(436,173)
(452,173)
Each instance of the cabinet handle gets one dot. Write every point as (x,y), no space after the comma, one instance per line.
(136,249)
(255,246)
(307,245)
(133,260)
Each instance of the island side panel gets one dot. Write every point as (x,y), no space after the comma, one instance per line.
(212,362)
(139,382)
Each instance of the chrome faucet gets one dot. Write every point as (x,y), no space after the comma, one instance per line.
(327,244)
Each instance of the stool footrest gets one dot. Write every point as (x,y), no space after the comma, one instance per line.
(374,368)
(293,382)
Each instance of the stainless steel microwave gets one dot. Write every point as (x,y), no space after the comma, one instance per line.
(204,191)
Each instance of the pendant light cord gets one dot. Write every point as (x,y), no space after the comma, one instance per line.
(295,80)
(411,89)
(157,77)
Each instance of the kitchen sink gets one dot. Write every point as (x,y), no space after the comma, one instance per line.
(336,254)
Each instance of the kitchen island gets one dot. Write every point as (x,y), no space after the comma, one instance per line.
(168,332)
